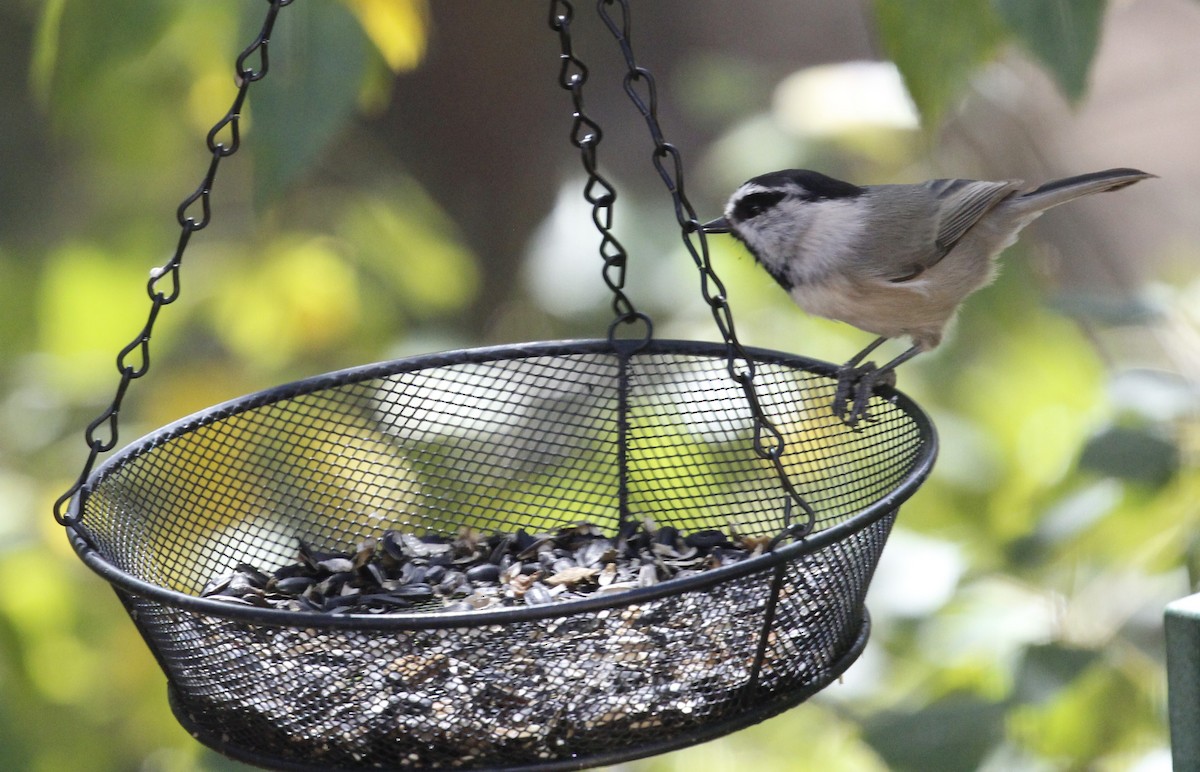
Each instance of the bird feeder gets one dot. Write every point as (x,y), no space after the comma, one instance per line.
(551,555)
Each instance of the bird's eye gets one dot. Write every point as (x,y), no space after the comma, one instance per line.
(754,204)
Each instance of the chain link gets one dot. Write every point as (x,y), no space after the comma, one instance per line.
(586,135)
(642,91)
(193,214)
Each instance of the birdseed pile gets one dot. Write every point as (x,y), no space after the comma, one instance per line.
(526,691)
(403,572)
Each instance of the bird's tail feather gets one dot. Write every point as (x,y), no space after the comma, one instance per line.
(1067,189)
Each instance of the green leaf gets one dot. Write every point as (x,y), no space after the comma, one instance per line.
(319,56)
(1061,34)
(1082,721)
(937,44)
(1047,669)
(80,43)
(1132,454)
(955,733)
(408,245)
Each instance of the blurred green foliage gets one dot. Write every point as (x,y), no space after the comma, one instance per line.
(1071,510)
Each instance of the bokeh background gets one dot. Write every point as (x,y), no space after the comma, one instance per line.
(406,185)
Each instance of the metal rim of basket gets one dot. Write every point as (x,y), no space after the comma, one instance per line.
(921,465)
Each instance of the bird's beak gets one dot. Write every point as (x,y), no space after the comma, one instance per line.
(719,225)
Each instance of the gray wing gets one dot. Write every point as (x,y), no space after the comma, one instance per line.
(961,203)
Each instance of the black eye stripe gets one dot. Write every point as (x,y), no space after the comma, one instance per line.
(754,204)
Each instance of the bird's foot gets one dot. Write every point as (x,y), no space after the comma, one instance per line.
(856,384)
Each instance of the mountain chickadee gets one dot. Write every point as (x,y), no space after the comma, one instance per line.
(893,260)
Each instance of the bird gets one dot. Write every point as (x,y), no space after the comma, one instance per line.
(893,260)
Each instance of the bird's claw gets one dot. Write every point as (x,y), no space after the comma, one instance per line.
(856,384)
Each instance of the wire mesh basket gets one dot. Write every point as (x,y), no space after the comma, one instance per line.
(519,439)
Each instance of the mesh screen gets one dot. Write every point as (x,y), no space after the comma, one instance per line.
(531,439)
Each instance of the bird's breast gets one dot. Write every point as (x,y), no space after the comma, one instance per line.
(882,308)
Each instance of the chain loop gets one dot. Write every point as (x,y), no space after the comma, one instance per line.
(188,224)
(642,91)
(586,135)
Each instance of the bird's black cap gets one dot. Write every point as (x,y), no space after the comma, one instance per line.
(817,186)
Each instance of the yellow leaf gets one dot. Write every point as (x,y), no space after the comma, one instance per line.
(396,27)
(91,303)
(303,297)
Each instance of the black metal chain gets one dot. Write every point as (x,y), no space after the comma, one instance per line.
(642,91)
(219,148)
(586,135)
